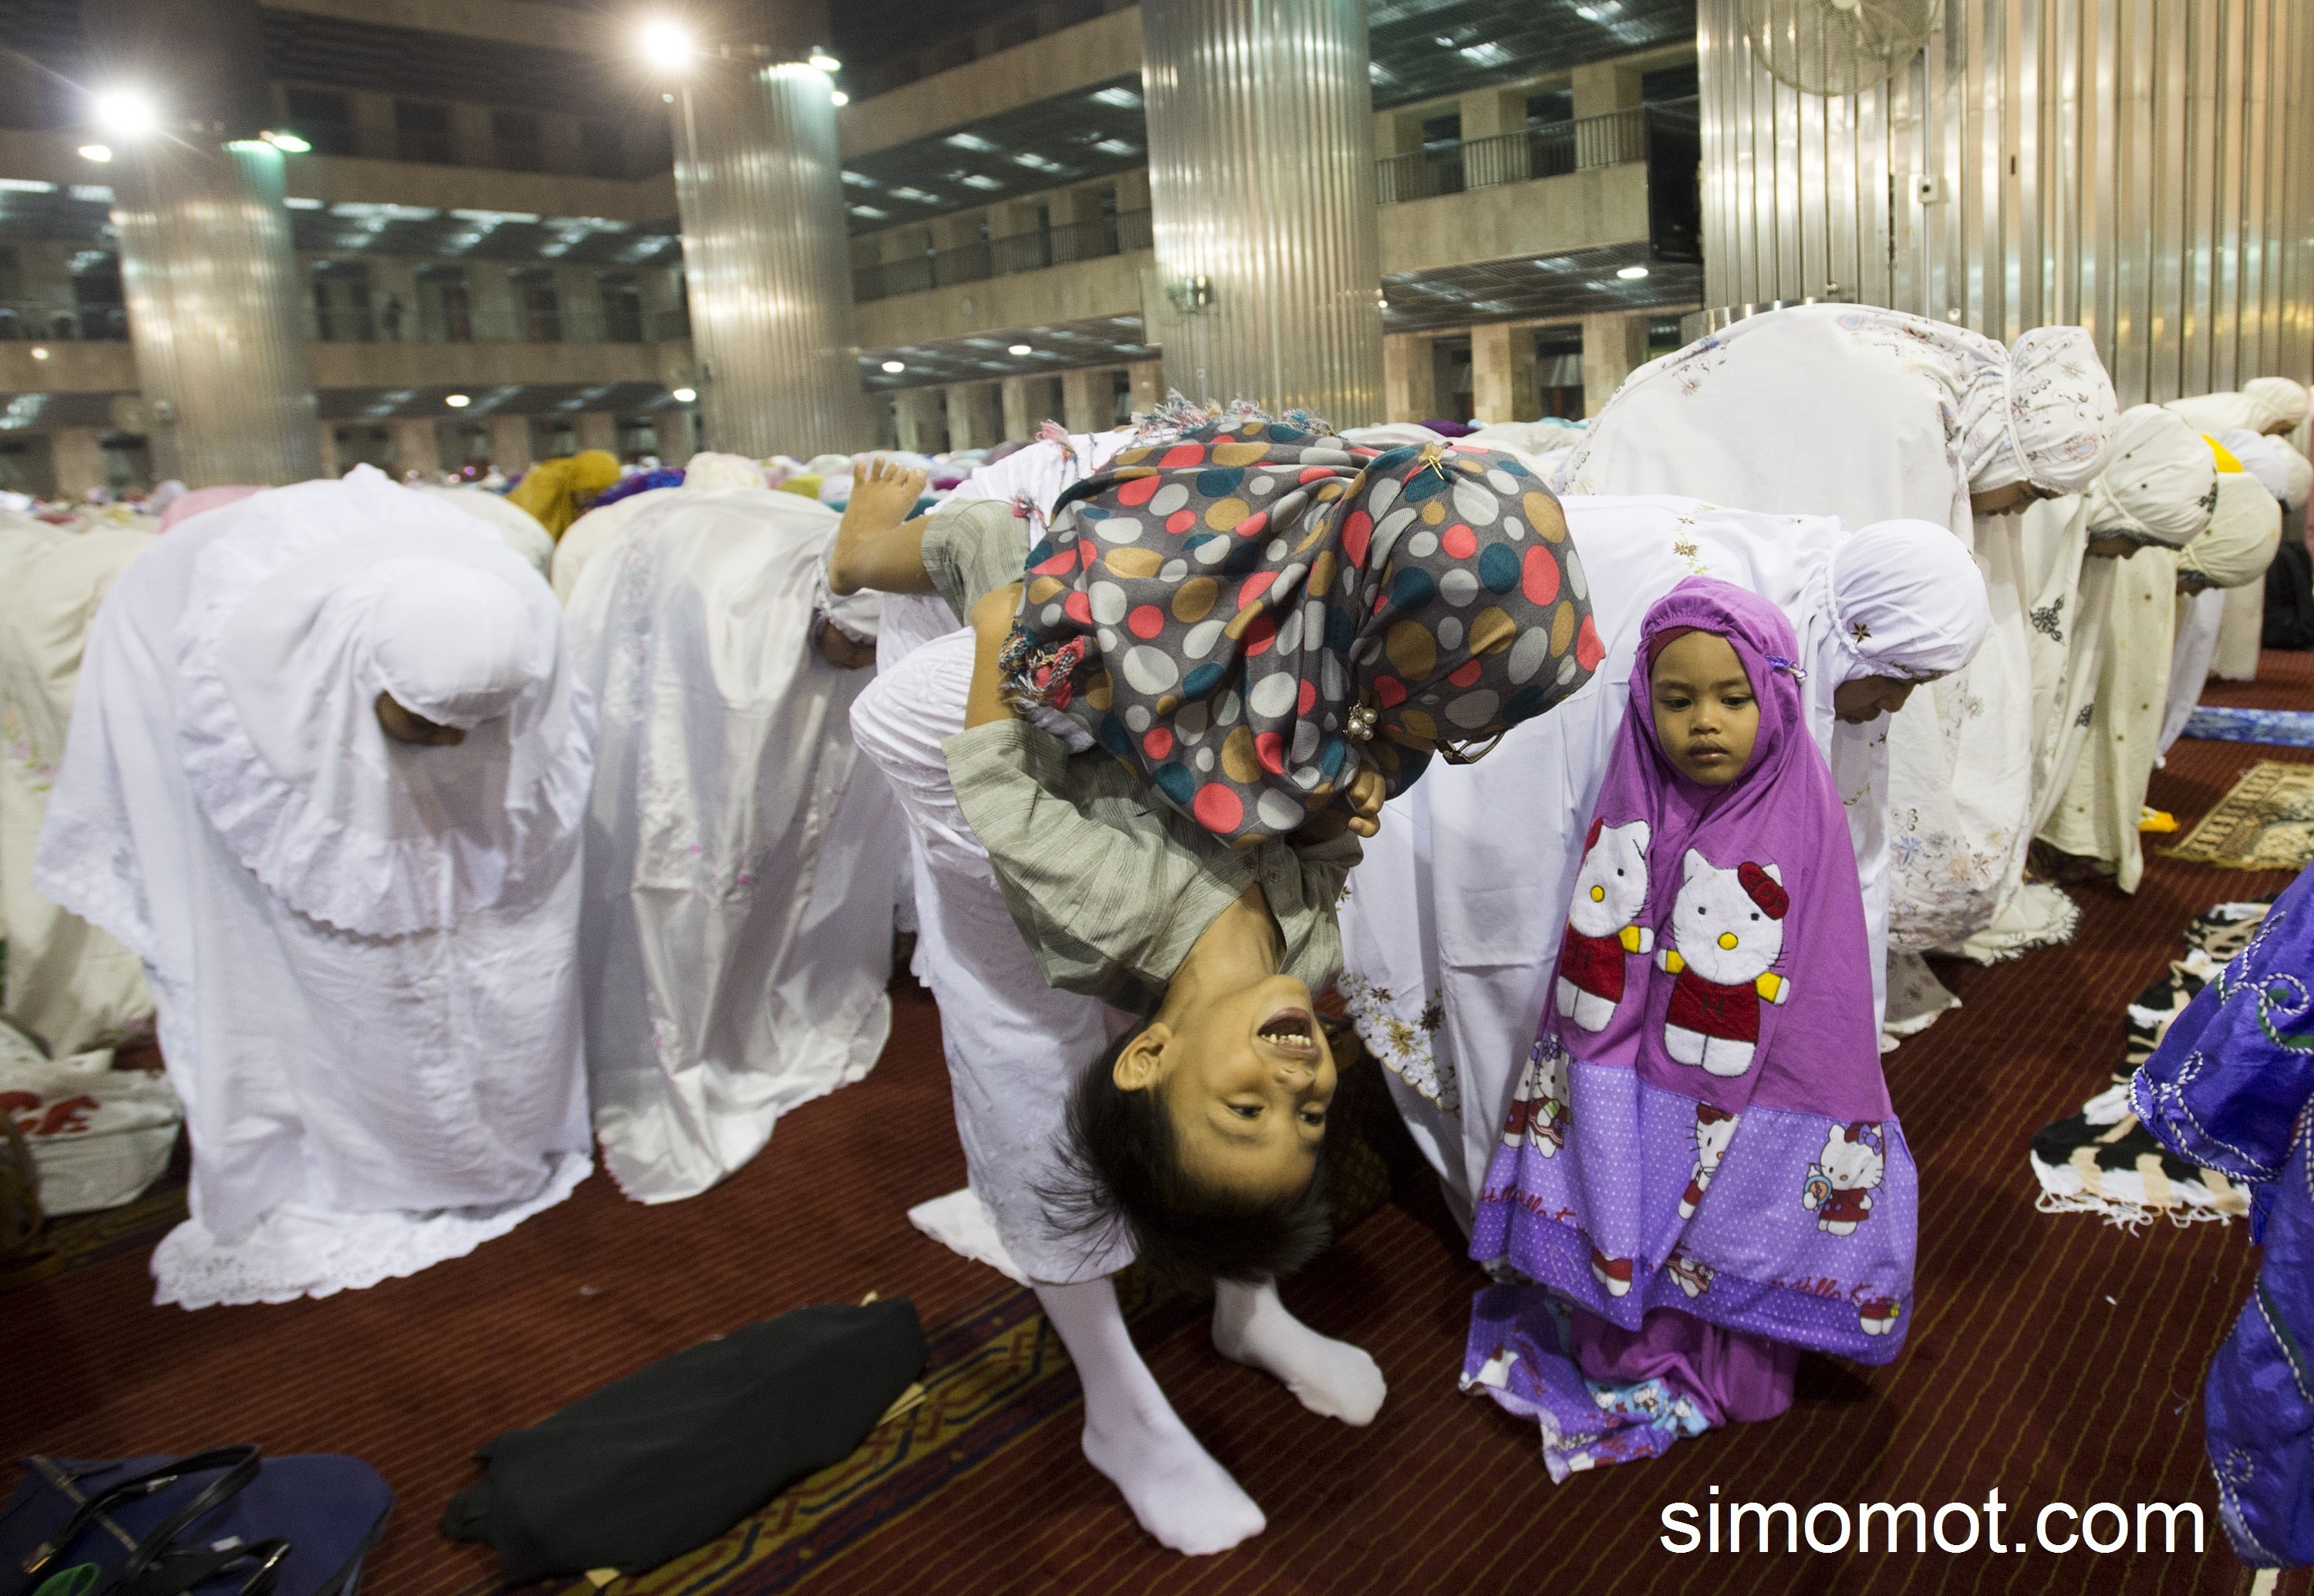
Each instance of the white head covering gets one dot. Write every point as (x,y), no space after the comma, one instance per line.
(2263,403)
(1390,435)
(1903,599)
(2272,462)
(2243,535)
(713,472)
(2160,482)
(2275,402)
(2059,411)
(520,530)
(324,596)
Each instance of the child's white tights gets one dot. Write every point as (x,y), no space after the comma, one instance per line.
(1179,1494)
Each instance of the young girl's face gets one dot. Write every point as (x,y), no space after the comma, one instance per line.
(1706,717)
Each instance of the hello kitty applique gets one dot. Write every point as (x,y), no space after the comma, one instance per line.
(1538,1108)
(1611,890)
(1715,1128)
(1841,1183)
(1727,932)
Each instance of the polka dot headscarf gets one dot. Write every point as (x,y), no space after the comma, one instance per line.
(1250,612)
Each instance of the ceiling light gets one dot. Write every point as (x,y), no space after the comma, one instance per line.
(1021,349)
(838,97)
(1484,55)
(39,352)
(896,366)
(824,61)
(1036,163)
(1121,98)
(92,193)
(287,142)
(1116,146)
(97,152)
(968,141)
(685,395)
(26,185)
(298,202)
(861,179)
(1632,274)
(870,212)
(917,195)
(126,112)
(457,401)
(972,179)
(666,45)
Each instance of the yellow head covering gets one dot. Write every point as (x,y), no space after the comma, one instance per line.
(2225,458)
(557,490)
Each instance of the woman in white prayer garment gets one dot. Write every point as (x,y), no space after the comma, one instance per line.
(595,531)
(2156,493)
(326,777)
(741,860)
(2286,473)
(1451,928)
(1869,415)
(520,529)
(2096,813)
(2269,406)
(68,983)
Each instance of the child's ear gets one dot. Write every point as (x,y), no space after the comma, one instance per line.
(1141,1064)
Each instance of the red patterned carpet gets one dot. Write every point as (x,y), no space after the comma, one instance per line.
(2053,1359)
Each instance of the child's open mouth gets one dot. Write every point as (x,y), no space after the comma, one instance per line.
(1290,1030)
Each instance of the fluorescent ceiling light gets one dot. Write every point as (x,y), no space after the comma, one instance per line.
(1036,163)
(968,141)
(92,193)
(861,179)
(1484,55)
(972,179)
(1116,146)
(870,212)
(26,185)
(1122,98)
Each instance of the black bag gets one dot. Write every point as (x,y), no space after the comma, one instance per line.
(667,1458)
(206,1524)
(2289,598)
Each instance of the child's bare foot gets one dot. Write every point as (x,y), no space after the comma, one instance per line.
(884,494)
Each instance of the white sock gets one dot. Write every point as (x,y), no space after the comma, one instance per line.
(1251,1326)
(1177,1491)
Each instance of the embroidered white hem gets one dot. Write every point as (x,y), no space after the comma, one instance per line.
(298,1251)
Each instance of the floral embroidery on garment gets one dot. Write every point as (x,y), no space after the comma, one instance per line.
(1402,1045)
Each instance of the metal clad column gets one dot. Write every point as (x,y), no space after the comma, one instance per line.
(1261,180)
(767,264)
(216,304)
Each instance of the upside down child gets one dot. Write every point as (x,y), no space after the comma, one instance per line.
(1154,766)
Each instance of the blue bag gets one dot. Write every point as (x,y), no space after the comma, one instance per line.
(223,1522)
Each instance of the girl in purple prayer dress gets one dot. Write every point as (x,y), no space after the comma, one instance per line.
(1701,1174)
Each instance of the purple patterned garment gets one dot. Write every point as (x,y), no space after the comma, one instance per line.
(2229,1088)
(1703,1124)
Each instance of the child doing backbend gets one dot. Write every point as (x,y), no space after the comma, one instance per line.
(1234,644)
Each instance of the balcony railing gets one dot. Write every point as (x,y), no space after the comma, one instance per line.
(439,324)
(1617,138)
(51,323)
(1000,257)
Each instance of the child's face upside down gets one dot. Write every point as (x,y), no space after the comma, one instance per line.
(1245,1075)
(1706,718)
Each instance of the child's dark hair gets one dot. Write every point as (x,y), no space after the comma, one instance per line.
(1122,1170)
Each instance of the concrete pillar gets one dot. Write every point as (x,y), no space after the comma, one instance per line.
(1599,90)
(77,456)
(1614,345)
(1133,189)
(471,141)
(1409,377)
(1148,379)
(1029,401)
(217,302)
(766,250)
(325,440)
(394,283)
(1502,372)
(596,430)
(975,416)
(417,447)
(1087,398)
(1261,174)
(510,444)
(919,419)
(1486,157)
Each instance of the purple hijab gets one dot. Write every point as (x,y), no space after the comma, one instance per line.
(1703,1124)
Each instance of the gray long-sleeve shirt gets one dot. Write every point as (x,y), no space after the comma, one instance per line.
(1109,887)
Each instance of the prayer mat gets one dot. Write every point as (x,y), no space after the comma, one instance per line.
(2288,729)
(2101,1160)
(2267,823)
(994,1373)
